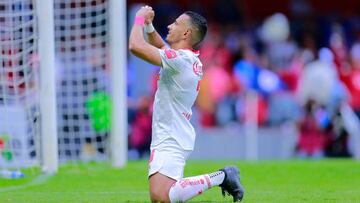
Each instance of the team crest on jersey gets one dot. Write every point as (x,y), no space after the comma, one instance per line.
(170,53)
(197,68)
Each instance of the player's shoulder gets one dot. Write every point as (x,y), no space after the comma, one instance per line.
(179,55)
(184,59)
(183,53)
(190,53)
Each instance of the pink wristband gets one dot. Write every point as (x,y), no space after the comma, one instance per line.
(139,20)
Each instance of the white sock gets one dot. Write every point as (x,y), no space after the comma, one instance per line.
(190,187)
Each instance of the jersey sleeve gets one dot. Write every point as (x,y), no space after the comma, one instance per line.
(173,60)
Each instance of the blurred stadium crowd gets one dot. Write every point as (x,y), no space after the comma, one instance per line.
(301,57)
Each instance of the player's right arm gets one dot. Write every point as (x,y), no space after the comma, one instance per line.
(137,44)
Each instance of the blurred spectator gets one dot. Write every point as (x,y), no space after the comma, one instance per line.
(352,80)
(217,83)
(246,70)
(338,48)
(283,108)
(140,136)
(318,79)
(312,138)
(275,53)
(338,136)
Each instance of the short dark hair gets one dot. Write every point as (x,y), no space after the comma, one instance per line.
(200,23)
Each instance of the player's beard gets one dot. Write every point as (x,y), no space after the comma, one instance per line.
(171,38)
(168,38)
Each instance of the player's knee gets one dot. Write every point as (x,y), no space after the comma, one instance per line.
(158,195)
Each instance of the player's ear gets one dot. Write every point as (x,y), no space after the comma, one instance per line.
(187,33)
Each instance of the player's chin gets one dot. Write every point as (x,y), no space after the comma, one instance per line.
(168,39)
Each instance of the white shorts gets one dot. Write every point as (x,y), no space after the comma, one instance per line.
(168,158)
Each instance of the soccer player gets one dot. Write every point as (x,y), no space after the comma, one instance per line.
(173,136)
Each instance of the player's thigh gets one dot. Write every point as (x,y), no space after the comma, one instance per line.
(159,187)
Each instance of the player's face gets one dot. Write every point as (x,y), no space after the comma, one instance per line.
(179,29)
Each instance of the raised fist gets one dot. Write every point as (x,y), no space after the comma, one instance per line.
(147,12)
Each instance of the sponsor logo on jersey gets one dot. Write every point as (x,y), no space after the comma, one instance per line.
(197,68)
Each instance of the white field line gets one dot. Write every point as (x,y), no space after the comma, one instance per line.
(37,181)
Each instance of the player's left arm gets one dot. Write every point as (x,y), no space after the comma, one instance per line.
(137,44)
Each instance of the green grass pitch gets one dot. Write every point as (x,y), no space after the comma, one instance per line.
(264,181)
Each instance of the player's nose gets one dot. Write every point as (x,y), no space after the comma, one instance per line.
(169,26)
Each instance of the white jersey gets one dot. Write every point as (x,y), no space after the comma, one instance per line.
(178,87)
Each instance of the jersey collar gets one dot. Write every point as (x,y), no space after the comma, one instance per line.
(196,52)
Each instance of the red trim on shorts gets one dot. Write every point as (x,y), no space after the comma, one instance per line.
(152,156)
